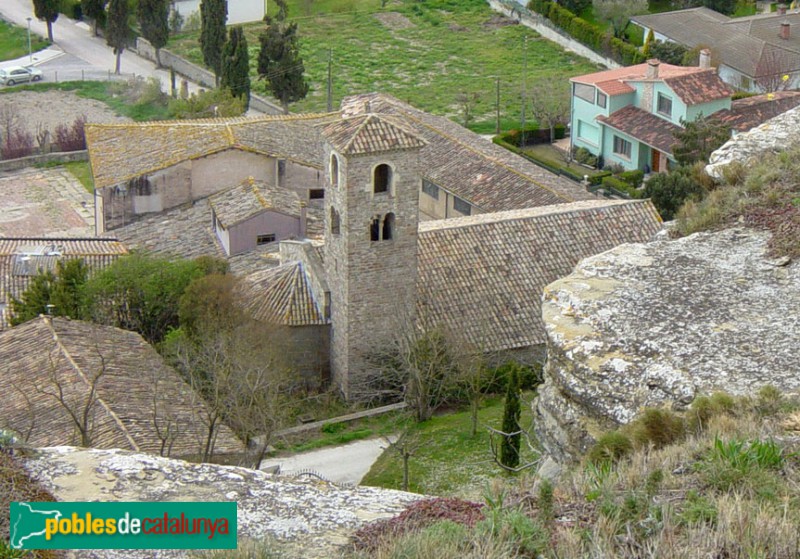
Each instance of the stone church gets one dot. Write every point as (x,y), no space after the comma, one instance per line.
(370,252)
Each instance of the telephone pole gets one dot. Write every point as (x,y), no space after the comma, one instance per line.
(497,107)
(524,75)
(330,81)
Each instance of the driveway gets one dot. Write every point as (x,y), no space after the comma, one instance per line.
(346,464)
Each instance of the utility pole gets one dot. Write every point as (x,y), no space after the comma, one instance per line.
(30,51)
(330,81)
(524,74)
(497,107)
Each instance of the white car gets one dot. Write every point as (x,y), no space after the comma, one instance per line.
(19,74)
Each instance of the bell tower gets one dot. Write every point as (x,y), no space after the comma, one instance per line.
(371,215)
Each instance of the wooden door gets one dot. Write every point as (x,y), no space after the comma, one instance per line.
(656,163)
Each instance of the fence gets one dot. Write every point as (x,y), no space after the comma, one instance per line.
(548,30)
(197,74)
(81,74)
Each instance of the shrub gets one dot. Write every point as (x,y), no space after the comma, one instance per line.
(621,186)
(769,400)
(17,143)
(670,191)
(744,466)
(611,447)
(208,104)
(582,155)
(704,408)
(657,427)
(71,138)
(633,178)
(697,510)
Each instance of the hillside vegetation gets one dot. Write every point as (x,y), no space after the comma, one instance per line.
(424,52)
(718,481)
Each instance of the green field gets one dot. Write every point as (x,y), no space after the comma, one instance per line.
(424,52)
(14,41)
(450,461)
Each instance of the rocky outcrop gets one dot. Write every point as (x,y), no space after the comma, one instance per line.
(656,324)
(305,519)
(777,134)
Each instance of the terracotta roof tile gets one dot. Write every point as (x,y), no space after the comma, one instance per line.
(370,133)
(637,72)
(251,198)
(134,389)
(483,275)
(614,87)
(22,258)
(282,295)
(646,127)
(749,112)
(700,87)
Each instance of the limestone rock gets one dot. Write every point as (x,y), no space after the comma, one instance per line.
(777,134)
(308,519)
(656,324)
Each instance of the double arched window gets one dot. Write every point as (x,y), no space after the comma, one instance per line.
(382,229)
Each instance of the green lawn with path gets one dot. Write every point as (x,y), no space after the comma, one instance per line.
(449,460)
(14,41)
(426,53)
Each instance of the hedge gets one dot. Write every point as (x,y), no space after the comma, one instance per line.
(633,178)
(533,135)
(586,33)
(621,186)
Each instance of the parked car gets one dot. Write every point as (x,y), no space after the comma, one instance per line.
(19,74)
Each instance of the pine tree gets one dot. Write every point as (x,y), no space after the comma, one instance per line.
(34,300)
(47,10)
(509,449)
(279,60)
(213,15)
(95,9)
(118,33)
(647,42)
(236,65)
(59,294)
(154,22)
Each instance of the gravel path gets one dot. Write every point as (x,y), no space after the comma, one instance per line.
(51,108)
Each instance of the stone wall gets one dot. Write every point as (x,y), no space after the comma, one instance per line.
(309,520)
(648,325)
(43,159)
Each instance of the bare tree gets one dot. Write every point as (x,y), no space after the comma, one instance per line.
(405,444)
(771,74)
(466,102)
(618,12)
(550,106)
(167,424)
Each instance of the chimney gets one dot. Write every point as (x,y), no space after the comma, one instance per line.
(781,9)
(786,30)
(303,220)
(705,58)
(652,69)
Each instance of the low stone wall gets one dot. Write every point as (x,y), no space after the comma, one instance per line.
(549,31)
(32,160)
(656,325)
(197,74)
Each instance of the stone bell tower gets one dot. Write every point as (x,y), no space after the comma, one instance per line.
(371,214)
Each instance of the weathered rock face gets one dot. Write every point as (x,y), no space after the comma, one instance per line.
(777,134)
(656,324)
(307,519)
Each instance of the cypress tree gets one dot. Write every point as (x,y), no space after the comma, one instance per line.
(236,65)
(509,449)
(95,9)
(34,300)
(154,22)
(47,10)
(213,15)
(279,60)
(118,32)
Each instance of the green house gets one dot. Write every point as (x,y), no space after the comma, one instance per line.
(627,116)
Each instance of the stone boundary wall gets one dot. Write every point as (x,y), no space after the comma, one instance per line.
(31,160)
(197,74)
(546,29)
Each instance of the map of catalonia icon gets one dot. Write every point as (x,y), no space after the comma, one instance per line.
(28,523)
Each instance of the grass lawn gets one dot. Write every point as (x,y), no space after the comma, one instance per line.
(113,94)
(425,53)
(449,460)
(14,41)
(550,153)
(83,173)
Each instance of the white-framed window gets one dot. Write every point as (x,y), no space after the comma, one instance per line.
(602,99)
(664,105)
(622,147)
(583,91)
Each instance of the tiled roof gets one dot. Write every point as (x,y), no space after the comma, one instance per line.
(282,295)
(22,258)
(646,127)
(120,152)
(471,167)
(749,112)
(614,87)
(251,198)
(185,232)
(134,389)
(744,44)
(637,72)
(699,87)
(483,275)
(370,133)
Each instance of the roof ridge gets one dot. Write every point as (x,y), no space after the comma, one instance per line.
(49,322)
(357,131)
(218,121)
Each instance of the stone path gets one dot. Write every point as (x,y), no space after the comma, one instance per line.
(44,202)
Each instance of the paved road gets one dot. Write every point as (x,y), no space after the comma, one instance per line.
(341,464)
(88,53)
